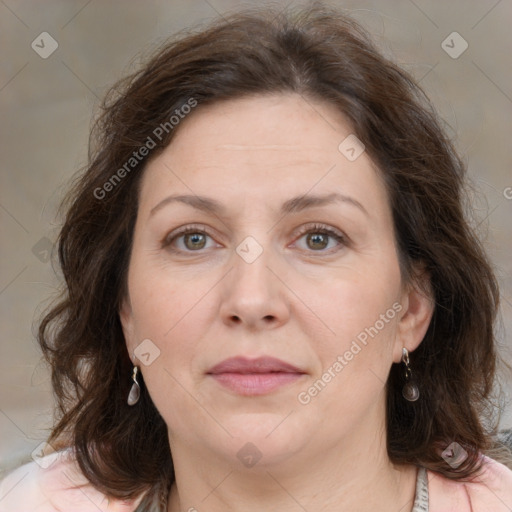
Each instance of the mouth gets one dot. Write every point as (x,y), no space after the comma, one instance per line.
(253,377)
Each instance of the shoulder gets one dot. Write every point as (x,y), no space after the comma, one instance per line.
(54,483)
(489,491)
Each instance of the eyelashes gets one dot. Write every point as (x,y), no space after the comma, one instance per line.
(189,230)
(326,232)
(198,235)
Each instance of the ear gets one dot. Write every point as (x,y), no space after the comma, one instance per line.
(128,324)
(417,309)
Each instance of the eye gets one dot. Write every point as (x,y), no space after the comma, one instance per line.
(189,239)
(320,237)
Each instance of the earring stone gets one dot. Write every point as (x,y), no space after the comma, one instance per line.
(410,391)
(134,395)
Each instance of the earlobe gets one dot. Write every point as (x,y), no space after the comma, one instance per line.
(418,308)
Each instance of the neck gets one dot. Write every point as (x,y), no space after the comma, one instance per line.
(354,474)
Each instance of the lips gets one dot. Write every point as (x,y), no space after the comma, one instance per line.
(259,365)
(254,376)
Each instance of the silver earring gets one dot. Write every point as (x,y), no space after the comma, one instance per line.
(134,395)
(410,391)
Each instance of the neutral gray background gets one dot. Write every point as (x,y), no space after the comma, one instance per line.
(46,107)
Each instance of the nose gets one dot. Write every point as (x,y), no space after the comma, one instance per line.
(254,294)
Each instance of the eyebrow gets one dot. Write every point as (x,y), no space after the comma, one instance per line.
(293,205)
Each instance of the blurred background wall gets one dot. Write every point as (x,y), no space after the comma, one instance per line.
(58,59)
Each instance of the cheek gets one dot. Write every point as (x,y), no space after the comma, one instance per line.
(163,299)
(361,311)
(354,368)
(172,316)
(357,300)
(173,311)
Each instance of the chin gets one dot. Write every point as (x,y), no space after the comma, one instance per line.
(267,436)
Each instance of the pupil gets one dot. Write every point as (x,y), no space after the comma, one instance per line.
(318,238)
(196,239)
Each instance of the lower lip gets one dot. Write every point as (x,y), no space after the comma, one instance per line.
(253,384)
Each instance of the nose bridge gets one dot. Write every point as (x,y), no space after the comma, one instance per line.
(252,292)
(251,263)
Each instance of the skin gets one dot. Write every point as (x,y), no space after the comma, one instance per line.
(301,301)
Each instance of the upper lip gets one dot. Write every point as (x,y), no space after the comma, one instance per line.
(264,364)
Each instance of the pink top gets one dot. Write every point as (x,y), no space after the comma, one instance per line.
(50,485)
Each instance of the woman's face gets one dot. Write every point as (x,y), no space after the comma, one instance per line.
(289,256)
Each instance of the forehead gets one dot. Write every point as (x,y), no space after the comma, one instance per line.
(272,123)
(267,144)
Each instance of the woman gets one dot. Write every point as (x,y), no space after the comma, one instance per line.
(273,299)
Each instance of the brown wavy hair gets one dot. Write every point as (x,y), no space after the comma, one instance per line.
(318,53)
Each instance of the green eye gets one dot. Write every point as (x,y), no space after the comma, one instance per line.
(189,239)
(194,241)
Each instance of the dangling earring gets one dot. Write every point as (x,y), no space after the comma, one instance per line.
(134,395)
(410,391)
